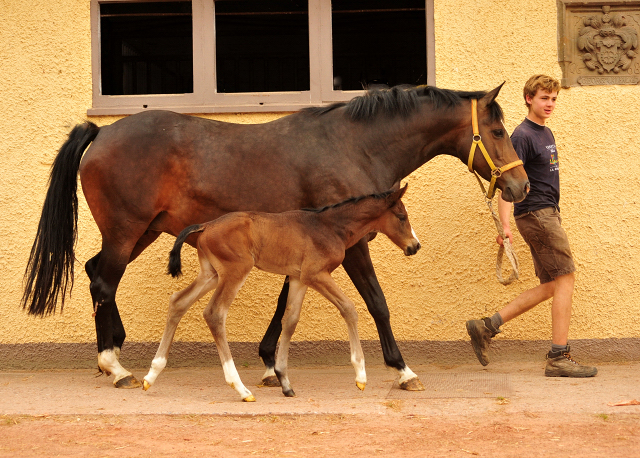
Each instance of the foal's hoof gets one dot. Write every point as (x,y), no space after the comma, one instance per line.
(270,381)
(413,384)
(361,385)
(289,393)
(128,382)
(250,398)
(145,385)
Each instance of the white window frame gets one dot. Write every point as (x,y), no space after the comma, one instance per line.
(205,99)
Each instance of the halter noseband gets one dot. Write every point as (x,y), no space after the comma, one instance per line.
(477,142)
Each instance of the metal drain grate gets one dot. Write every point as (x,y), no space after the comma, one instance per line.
(457,385)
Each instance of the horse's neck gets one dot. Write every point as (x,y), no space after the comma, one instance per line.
(402,145)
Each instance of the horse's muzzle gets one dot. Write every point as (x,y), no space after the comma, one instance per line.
(411,250)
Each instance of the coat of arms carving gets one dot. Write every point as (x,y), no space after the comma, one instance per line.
(598,44)
(608,43)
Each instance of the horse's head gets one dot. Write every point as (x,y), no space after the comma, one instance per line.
(491,154)
(395,223)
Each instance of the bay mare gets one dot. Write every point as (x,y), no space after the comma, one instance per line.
(159,171)
(316,241)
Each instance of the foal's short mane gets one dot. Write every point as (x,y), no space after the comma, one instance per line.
(404,100)
(351,200)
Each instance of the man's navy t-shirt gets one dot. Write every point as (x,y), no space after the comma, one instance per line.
(536,147)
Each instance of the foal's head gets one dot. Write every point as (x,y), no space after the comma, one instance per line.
(394,223)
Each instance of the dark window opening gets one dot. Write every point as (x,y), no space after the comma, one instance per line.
(146,48)
(262,46)
(378,42)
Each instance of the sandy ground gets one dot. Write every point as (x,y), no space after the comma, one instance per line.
(504,410)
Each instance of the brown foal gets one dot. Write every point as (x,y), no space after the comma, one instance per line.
(306,245)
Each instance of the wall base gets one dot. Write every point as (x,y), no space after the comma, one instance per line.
(198,354)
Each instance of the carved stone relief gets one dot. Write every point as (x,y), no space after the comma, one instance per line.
(598,42)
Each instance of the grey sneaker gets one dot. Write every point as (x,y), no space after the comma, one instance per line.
(560,364)
(481,333)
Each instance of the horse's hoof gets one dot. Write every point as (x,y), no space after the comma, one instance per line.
(145,385)
(250,398)
(128,382)
(361,385)
(289,393)
(270,381)
(413,384)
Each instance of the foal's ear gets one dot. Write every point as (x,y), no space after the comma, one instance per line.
(491,96)
(397,194)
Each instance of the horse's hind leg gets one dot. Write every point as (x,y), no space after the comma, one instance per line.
(105,273)
(267,349)
(357,264)
(289,322)
(179,303)
(118,333)
(215,314)
(326,286)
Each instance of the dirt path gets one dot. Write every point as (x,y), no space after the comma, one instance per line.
(392,434)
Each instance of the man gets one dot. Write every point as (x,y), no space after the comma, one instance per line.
(539,223)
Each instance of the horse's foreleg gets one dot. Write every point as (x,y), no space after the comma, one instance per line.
(289,322)
(179,303)
(326,286)
(267,349)
(215,314)
(357,264)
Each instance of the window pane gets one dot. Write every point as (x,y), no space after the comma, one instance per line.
(262,46)
(378,42)
(146,48)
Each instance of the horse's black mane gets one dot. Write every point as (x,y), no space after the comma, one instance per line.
(351,200)
(403,100)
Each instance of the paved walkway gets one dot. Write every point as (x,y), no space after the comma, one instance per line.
(460,390)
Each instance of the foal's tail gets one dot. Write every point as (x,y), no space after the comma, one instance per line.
(175,264)
(50,266)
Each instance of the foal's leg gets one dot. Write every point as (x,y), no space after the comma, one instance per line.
(179,303)
(357,264)
(290,319)
(215,314)
(326,286)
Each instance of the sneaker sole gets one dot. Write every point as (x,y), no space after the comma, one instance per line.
(548,373)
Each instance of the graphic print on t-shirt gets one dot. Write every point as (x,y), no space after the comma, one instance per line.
(554,165)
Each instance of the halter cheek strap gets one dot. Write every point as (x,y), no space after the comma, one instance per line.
(477,143)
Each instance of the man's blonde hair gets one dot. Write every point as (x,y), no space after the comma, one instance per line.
(544,82)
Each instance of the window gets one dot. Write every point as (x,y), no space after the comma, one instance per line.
(206,56)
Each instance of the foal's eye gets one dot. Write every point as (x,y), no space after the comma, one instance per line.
(402,217)
(498,133)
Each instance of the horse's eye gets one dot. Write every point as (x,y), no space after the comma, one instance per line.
(402,217)
(498,133)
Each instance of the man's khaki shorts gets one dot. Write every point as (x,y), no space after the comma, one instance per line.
(548,242)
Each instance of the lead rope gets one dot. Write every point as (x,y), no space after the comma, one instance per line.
(505,248)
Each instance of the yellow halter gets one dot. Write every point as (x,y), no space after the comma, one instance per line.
(477,142)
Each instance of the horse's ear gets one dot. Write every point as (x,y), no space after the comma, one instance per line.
(492,95)
(397,194)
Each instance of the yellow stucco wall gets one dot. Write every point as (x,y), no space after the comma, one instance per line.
(45,89)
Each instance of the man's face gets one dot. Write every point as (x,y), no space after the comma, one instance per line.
(541,105)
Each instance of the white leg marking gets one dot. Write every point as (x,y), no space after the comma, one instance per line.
(232,378)
(157,365)
(269,372)
(406,374)
(108,362)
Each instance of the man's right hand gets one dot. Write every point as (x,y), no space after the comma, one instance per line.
(507,234)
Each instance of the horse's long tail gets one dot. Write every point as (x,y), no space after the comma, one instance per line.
(175,264)
(50,266)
